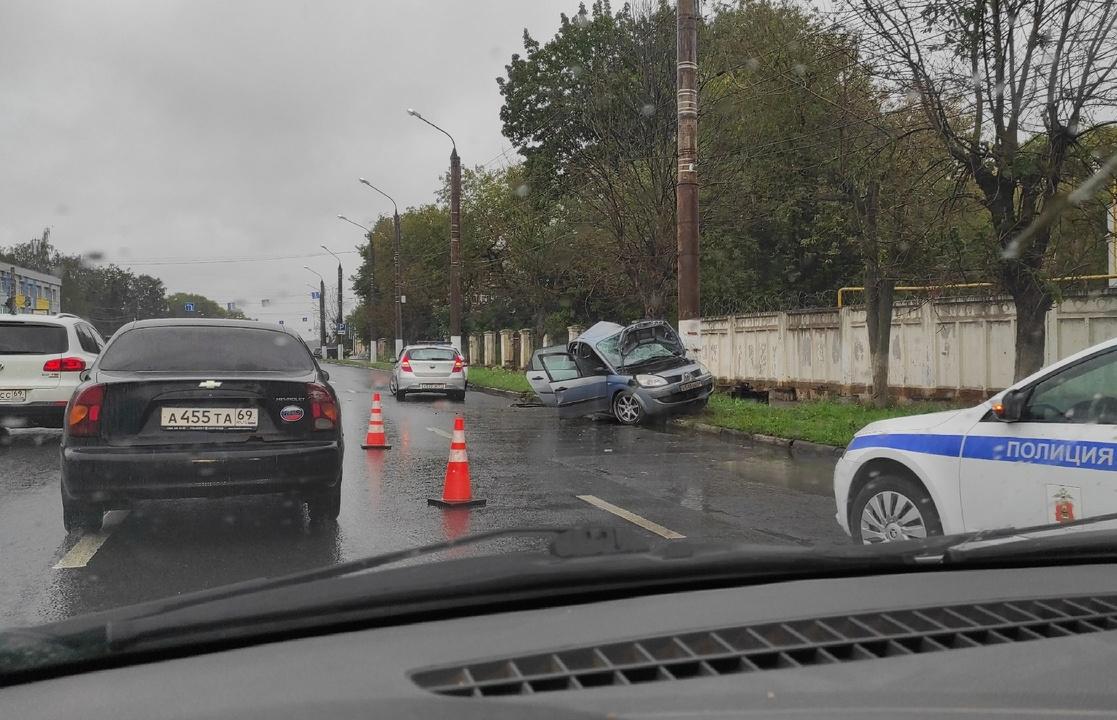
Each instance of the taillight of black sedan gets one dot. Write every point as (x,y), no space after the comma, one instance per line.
(201,408)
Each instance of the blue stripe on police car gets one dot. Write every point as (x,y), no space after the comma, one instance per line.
(1083,454)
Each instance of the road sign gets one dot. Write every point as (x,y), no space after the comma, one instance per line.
(314,295)
(341,328)
(305,320)
(189,307)
(231,307)
(280,322)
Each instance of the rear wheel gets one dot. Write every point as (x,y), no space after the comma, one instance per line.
(457,395)
(324,507)
(627,409)
(78,516)
(400,395)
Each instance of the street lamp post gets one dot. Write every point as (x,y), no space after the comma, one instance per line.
(371,285)
(340,312)
(395,259)
(321,310)
(455,235)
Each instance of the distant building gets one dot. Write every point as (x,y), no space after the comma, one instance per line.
(33,291)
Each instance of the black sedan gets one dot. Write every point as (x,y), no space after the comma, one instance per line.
(201,408)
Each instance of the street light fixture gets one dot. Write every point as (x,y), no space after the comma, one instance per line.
(342,217)
(395,259)
(321,309)
(455,235)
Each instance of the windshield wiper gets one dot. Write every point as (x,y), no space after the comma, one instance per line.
(581,563)
(1073,540)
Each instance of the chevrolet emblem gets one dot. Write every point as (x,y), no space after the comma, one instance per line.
(209,384)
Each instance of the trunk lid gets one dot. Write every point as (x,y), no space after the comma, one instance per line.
(135,409)
(432,362)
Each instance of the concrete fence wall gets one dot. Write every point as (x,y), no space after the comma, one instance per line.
(511,349)
(958,348)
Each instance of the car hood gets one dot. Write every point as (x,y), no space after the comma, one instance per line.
(648,331)
(912,423)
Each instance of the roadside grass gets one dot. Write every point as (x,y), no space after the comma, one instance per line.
(498,378)
(828,422)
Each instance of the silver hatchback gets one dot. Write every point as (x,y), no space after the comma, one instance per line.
(429,368)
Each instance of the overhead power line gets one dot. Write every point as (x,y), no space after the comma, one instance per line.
(216,260)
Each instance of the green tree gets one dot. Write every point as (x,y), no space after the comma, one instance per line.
(203,307)
(591,110)
(1011,89)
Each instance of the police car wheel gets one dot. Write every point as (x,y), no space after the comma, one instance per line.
(891,508)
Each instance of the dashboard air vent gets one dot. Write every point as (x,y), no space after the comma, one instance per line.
(773,646)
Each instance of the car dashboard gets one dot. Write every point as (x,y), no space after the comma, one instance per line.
(1024,642)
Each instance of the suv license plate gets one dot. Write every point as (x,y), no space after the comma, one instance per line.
(208,418)
(690,385)
(13,396)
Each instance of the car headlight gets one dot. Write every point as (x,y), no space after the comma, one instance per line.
(651,380)
(705,370)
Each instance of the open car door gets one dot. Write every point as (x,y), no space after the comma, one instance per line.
(573,393)
(537,377)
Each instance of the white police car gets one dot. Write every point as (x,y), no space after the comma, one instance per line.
(1042,451)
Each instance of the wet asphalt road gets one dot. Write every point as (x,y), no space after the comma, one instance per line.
(529,465)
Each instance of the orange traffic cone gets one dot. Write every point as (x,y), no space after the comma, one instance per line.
(375,439)
(456,491)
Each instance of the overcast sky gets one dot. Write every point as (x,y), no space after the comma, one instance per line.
(151,130)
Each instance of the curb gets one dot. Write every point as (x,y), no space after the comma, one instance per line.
(512,394)
(741,437)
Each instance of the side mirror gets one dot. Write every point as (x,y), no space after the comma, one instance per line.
(1010,408)
(83,375)
(325,376)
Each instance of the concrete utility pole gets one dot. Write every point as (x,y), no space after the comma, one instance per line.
(371,281)
(455,236)
(686,190)
(455,250)
(340,312)
(395,260)
(321,310)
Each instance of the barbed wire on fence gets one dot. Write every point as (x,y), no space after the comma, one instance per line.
(769,302)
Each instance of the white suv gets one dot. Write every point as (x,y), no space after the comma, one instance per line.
(41,360)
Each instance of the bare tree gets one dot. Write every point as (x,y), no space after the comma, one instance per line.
(1010,87)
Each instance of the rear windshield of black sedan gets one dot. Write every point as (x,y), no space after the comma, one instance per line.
(206,349)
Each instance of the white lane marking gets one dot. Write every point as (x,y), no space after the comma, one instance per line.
(631,517)
(85,548)
(443,433)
